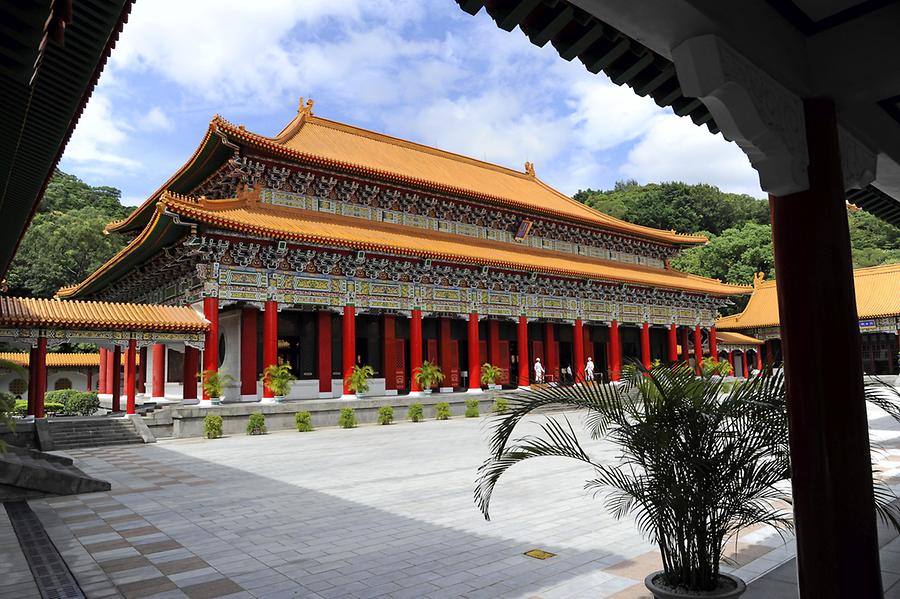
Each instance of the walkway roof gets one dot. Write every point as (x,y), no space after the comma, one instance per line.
(37,313)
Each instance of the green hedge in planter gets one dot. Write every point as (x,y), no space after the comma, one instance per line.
(256,425)
(54,409)
(303,420)
(212,426)
(75,403)
(472,408)
(385,415)
(416,412)
(501,405)
(21,408)
(347,419)
(442,411)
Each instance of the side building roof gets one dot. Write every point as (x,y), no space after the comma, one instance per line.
(247,215)
(63,360)
(315,141)
(877,295)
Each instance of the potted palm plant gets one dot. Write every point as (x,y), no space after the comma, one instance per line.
(214,384)
(490,374)
(277,378)
(358,381)
(428,376)
(696,466)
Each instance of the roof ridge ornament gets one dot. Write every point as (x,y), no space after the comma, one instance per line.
(305,109)
(758,279)
(529,169)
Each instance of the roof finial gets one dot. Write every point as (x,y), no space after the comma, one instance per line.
(758,278)
(529,169)
(305,109)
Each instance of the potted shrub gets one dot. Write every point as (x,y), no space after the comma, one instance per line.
(696,466)
(442,411)
(472,408)
(428,376)
(214,383)
(303,420)
(256,424)
(385,415)
(347,418)
(277,378)
(212,426)
(490,374)
(416,412)
(358,381)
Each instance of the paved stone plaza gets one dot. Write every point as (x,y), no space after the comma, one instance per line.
(378,511)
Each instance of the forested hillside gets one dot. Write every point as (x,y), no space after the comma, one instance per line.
(65,241)
(740,241)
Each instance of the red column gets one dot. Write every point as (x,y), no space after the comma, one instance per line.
(673,342)
(248,353)
(349,345)
(323,332)
(746,365)
(158,384)
(550,365)
(130,376)
(211,345)
(685,347)
(758,358)
(645,345)
(615,352)
(578,349)
(713,345)
(698,348)
(522,343)
(110,369)
(270,340)
(90,380)
(189,374)
(41,373)
(388,349)
(415,349)
(474,354)
(142,371)
(494,343)
(444,349)
(116,378)
(32,379)
(101,388)
(731,361)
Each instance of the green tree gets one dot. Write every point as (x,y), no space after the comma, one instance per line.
(874,242)
(67,192)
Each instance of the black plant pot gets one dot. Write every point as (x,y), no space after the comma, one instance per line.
(732,587)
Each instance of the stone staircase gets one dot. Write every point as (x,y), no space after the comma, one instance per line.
(73,433)
(28,474)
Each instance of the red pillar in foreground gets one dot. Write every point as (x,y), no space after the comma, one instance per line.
(578,349)
(388,352)
(758,353)
(111,368)
(673,342)
(101,387)
(116,383)
(415,349)
(474,354)
(522,344)
(834,509)
(745,363)
(142,371)
(698,348)
(189,374)
(349,345)
(615,352)
(323,343)
(158,382)
(645,345)
(713,345)
(248,354)
(130,377)
(270,340)
(32,379)
(211,345)
(550,365)
(41,370)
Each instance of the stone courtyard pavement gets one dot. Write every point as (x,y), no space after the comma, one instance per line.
(377,511)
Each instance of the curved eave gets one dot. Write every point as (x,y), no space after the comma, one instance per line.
(271,146)
(158,233)
(221,220)
(209,155)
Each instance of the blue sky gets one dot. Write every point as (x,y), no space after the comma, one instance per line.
(418,69)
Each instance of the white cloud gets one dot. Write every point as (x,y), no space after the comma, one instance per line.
(607,115)
(155,119)
(674,149)
(98,140)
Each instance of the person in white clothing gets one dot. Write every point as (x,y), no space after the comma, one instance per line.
(538,371)
(589,370)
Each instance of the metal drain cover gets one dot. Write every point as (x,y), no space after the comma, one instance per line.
(539,554)
(51,574)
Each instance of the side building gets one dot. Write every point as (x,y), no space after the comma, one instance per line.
(877,304)
(328,245)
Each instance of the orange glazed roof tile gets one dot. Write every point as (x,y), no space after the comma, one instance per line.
(338,144)
(732,338)
(61,360)
(877,295)
(47,313)
(247,216)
